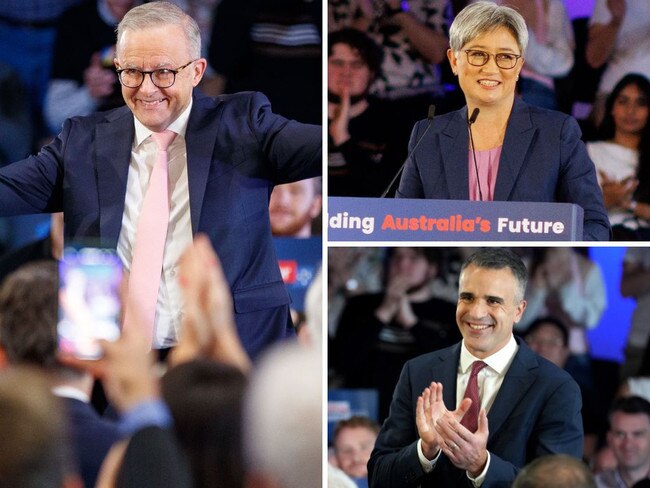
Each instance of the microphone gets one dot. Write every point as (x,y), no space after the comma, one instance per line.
(470,121)
(430,114)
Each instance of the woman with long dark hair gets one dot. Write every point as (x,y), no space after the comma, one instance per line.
(622,158)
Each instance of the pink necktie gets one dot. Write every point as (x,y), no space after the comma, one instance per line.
(470,420)
(149,247)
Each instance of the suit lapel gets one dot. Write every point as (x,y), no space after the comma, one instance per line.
(454,144)
(445,372)
(519,135)
(114,139)
(200,137)
(519,378)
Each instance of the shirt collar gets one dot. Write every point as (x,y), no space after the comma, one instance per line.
(179,126)
(499,361)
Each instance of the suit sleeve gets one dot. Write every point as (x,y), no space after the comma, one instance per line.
(578,183)
(394,461)
(410,185)
(558,430)
(34,185)
(293,149)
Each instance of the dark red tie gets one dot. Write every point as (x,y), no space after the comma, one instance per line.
(470,420)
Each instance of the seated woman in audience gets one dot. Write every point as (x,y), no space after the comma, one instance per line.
(359,128)
(622,160)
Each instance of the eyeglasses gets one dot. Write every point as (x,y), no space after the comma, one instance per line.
(503,60)
(162,78)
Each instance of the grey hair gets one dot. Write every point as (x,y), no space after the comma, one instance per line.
(500,258)
(156,14)
(481,17)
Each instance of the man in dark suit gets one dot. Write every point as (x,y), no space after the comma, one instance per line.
(528,406)
(227,155)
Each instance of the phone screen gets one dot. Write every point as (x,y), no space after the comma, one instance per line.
(89,302)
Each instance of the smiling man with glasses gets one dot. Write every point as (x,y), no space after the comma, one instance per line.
(497,147)
(146,178)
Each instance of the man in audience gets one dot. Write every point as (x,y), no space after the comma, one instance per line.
(294,206)
(516,406)
(28,336)
(353,441)
(34,451)
(629,439)
(555,471)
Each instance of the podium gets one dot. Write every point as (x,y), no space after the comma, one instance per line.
(352,219)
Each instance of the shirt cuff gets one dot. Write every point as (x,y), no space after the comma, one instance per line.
(427,465)
(145,414)
(478,481)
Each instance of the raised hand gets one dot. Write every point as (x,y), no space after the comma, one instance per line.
(466,450)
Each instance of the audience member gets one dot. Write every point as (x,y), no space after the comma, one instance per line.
(618,38)
(241,151)
(569,286)
(28,336)
(34,450)
(27,33)
(283,419)
(15,118)
(550,49)
(205,400)
(294,207)
(546,159)
(353,441)
(379,332)
(622,158)
(555,471)
(635,283)
(413,36)
(516,406)
(83,77)
(272,46)
(629,439)
(365,145)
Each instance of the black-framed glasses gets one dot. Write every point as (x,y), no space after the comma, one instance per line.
(162,78)
(503,60)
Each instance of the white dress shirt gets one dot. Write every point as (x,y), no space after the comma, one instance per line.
(179,231)
(489,381)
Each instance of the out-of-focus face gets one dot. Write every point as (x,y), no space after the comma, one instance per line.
(292,208)
(346,69)
(411,265)
(630,110)
(547,341)
(156,48)
(353,447)
(488,307)
(488,85)
(629,438)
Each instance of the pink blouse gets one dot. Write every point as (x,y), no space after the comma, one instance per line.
(488,165)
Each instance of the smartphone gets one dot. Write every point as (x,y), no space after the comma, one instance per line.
(89,301)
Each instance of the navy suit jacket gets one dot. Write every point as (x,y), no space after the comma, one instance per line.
(92,437)
(543,160)
(536,412)
(237,150)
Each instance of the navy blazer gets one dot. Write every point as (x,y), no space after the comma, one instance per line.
(543,160)
(237,150)
(535,412)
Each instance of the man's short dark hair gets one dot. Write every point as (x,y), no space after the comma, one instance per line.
(499,258)
(555,471)
(630,405)
(369,52)
(28,314)
(552,321)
